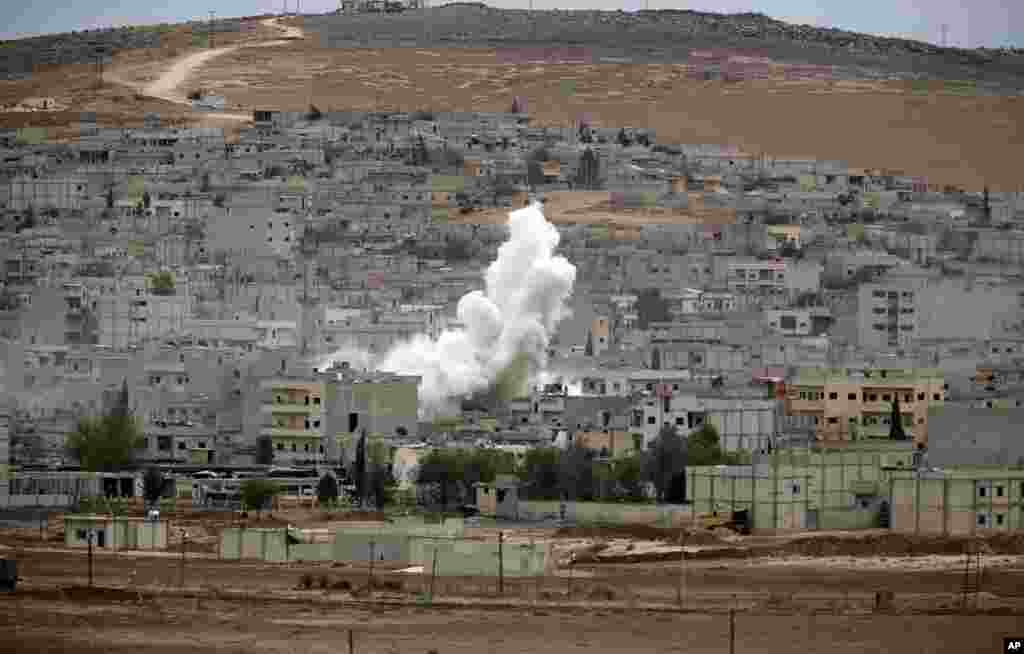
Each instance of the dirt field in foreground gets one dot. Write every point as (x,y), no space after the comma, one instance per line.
(118,622)
(809,594)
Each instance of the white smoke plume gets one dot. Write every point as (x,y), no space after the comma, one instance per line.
(526,290)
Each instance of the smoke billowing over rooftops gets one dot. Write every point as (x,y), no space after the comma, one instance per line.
(512,321)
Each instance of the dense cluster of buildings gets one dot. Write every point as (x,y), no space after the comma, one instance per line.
(213,276)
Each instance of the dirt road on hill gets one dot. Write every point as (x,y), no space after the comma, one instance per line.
(170,85)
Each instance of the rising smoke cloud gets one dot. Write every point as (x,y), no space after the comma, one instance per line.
(525,298)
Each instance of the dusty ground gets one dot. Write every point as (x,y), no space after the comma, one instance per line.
(42,622)
(949,139)
(255,607)
(606,603)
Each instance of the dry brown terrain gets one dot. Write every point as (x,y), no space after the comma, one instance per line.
(967,141)
(811,592)
(783,605)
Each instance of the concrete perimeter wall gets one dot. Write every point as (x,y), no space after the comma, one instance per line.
(264,544)
(416,546)
(605,512)
(455,558)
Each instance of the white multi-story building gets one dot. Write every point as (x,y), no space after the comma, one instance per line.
(774,277)
(902,310)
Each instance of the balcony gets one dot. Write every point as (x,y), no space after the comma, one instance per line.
(286,432)
(291,408)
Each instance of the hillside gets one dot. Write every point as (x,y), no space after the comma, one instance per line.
(668,37)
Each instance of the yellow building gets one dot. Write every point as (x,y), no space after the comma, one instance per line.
(292,418)
(849,404)
(786,233)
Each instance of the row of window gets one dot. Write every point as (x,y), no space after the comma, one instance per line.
(283,424)
(881,327)
(155,380)
(874,421)
(892,295)
(281,399)
(868,397)
(294,448)
(984,488)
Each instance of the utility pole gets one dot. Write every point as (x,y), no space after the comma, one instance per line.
(89,537)
(501,564)
(945,32)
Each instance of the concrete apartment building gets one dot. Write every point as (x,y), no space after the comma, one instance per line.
(901,310)
(847,404)
(385,405)
(745,422)
(292,416)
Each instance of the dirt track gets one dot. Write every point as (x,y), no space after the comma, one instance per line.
(602,607)
(119,622)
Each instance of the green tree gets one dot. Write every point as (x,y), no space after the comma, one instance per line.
(576,473)
(628,474)
(153,485)
(540,473)
(107,443)
(443,467)
(359,468)
(257,493)
(703,447)
(896,431)
(264,451)
(665,460)
(327,490)
(382,485)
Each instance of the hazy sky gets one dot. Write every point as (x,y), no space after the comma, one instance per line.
(973,23)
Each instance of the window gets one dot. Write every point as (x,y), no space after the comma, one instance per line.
(920,396)
(851,396)
(999,491)
(936,396)
(316,401)
(999,518)
(886,397)
(982,491)
(651,420)
(833,421)
(981,520)
(833,396)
